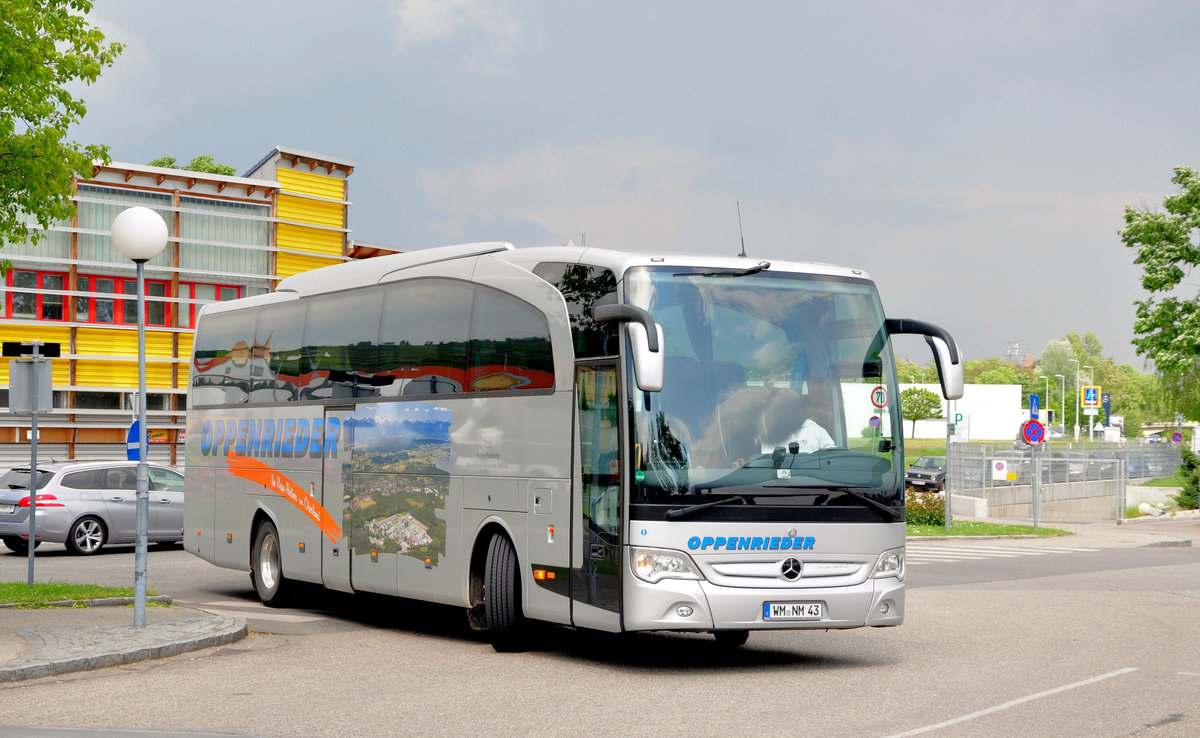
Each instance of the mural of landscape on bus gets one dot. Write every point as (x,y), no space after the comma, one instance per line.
(395,489)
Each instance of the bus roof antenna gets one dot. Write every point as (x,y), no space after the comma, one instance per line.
(740,234)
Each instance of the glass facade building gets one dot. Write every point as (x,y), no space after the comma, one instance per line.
(228,237)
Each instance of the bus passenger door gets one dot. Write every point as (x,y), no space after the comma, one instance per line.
(596,580)
(335,555)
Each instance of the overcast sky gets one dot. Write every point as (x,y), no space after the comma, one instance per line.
(975,158)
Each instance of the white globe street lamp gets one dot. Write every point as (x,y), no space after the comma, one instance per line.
(140,234)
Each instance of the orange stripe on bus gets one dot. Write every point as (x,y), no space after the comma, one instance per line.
(258,472)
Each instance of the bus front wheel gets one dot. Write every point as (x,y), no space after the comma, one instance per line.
(266,567)
(502,596)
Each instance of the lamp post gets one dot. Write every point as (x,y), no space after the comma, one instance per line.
(1091,418)
(1062,399)
(140,234)
(1076,363)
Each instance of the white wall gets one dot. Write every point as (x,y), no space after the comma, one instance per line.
(993,412)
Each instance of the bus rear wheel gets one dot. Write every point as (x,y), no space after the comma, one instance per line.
(502,596)
(266,567)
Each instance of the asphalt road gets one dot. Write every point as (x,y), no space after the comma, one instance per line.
(996,643)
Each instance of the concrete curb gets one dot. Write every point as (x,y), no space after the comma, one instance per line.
(65,650)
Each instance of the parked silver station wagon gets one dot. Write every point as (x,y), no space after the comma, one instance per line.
(89,504)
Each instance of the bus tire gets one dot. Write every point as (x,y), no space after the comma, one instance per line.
(266,567)
(731,638)
(502,596)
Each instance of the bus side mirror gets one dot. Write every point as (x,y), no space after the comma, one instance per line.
(647,364)
(645,341)
(945,352)
(950,372)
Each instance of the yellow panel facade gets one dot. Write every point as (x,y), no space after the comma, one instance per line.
(105,342)
(60,372)
(110,342)
(317,241)
(309,183)
(121,374)
(310,211)
(288,264)
(61,335)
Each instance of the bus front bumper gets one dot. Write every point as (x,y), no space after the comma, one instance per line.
(677,604)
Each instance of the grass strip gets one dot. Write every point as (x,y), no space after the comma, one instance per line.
(980,528)
(41,593)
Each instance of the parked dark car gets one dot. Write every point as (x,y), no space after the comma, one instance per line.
(927,473)
(88,504)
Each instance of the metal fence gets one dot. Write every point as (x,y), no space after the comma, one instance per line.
(1079,483)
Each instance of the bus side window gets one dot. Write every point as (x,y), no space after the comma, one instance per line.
(584,287)
(340,335)
(221,358)
(423,337)
(510,344)
(275,356)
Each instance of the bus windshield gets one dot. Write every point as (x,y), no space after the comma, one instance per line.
(779,399)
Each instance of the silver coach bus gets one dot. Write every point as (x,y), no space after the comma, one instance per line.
(586,437)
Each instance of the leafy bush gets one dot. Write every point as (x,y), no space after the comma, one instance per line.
(1189,475)
(925,508)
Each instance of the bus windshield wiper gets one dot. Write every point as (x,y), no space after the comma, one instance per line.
(743,497)
(891,512)
(680,512)
(760,266)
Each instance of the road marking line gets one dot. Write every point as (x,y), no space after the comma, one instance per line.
(1189,673)
(1014,703)
(988,551)
(280,617)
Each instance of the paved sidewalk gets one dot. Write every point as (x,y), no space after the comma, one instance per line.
(51,641)
(46,642)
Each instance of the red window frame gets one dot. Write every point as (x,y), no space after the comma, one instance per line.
(87,283)
(6,305)
(119,298)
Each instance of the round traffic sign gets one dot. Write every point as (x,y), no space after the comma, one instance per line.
(1033,432)
(875,421)
(879,396)
(1177,437)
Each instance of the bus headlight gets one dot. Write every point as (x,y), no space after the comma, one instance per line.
(890,564)
(653,564)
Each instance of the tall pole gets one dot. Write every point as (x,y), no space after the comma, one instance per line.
(143,471)
(1091,418)
(33,465)
(1062,399)
(140,234)
(1075,361)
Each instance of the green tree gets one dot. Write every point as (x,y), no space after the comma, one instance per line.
(919,404)
(202,163)
(1189,473)
(1167,323)
(45,47)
